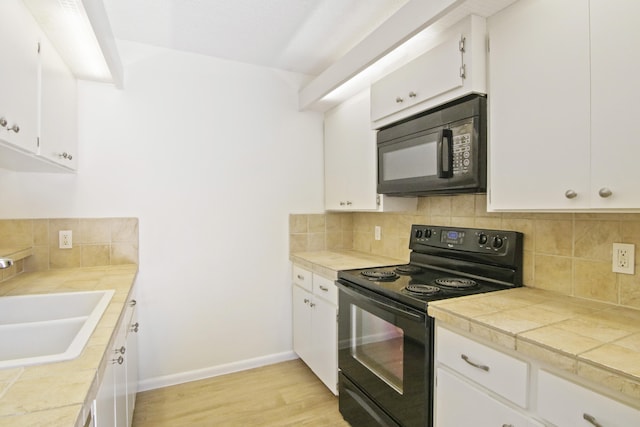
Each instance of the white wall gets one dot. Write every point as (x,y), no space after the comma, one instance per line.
(211,156)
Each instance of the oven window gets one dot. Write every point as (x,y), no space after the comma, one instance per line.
(417,160)
(379,346)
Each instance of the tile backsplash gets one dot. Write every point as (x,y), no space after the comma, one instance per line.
(96,242)
(564,252)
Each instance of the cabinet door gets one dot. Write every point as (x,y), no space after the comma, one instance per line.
(57,109)
(350,156)
(434,73)
(565,403)
(325,342)
(103,408)
(302,323)
(120,375)
(131,362)
(19,35)
(459,404)
(614,102)
(539,115)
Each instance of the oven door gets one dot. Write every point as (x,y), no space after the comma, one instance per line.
(385,360)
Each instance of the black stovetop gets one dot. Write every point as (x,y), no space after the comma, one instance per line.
(396,289)
(492,258)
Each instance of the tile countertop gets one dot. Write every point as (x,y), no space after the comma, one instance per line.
(60,394)
(596,341)
(16,253)
(327,263)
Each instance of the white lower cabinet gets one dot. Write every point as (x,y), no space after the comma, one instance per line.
(315,325)
(115,400)
(480,385)
(460,404)
(565,403)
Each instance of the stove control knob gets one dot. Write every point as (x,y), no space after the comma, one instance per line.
(497,242)
(418,234)
(427,233)
(482,239)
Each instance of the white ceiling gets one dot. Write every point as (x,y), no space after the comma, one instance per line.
(304,36)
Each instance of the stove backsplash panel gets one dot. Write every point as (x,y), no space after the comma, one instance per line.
(568,253)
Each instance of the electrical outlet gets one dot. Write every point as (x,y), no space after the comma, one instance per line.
(623,258)
(377,230)
(65,239)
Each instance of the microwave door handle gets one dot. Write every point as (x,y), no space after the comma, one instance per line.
(445,154)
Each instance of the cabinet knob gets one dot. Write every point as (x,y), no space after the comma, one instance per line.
(65,155)
(605,192)
(132,303)
(306,300)
(119,360)
(3,122)
(121,350)
(135,327)
(412,94)
(570,194)
(324,288)
(591,419)
(349,203)
(312,305)
(399,100)
(300,277)
(14,128)
(507,425)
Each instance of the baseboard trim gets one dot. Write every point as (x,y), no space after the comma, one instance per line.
(214,371)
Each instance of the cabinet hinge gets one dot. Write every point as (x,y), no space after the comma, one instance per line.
(38,47)
(378,200)
(463,71)
(461,44)
(38,142)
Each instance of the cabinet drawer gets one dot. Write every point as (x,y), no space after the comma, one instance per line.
(325,288)
(565,403)
(302,278)
(497,371)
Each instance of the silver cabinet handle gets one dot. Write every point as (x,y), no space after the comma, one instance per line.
(3,122)
(570,194)
(119,360)
(475,365)
(300,276)
(312,305)
(306,300)
(591,419)
(65,155)
(121,350)
(134,327)
(605,192)
(399,100)
(324,288)
(412,94)
(14,128)
(132,303)
(507,425)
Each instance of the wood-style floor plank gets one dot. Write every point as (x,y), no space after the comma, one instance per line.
(284,394)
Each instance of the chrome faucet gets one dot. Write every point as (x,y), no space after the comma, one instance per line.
(5,263)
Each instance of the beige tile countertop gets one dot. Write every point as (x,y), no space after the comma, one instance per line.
(327,263)
(60,394)
(16,253)
(596,341)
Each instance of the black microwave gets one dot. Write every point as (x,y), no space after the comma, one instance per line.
(440,151)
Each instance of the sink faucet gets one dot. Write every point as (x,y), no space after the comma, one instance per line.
(5,263)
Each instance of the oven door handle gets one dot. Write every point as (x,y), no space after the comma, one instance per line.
(377,300)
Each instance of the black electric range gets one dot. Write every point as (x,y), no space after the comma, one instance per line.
(385,336)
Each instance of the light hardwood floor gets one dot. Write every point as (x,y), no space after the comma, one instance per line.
(284,394)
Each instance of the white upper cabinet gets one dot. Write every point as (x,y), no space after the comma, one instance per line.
(560,104)
(58,109)
(454,66)
(39,99)
(350,161)
(18,78)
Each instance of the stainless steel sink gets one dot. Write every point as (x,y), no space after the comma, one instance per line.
(48,328)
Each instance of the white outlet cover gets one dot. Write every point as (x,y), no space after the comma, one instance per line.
(65,239)
(620,252)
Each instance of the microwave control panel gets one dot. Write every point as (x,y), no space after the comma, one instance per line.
(461,154)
